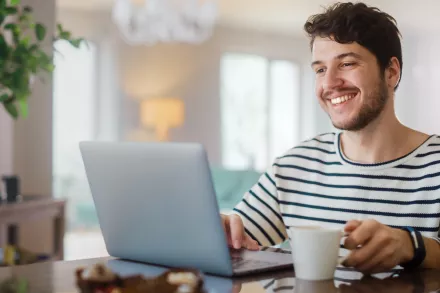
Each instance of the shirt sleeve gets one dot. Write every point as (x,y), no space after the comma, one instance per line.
(260,212)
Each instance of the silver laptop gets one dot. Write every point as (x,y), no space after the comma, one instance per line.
(156,204)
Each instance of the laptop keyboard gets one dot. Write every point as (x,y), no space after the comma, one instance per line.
(243,264)
(239,263)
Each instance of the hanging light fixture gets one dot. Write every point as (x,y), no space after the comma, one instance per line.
(151,21)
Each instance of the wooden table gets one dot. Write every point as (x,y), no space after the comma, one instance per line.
(31,209)
(58,277)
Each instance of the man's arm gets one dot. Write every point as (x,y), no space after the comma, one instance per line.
(432,259)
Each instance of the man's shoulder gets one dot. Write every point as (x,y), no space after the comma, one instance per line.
(430,146)
(435,139)
(432,142)
(321,144)
(327,138)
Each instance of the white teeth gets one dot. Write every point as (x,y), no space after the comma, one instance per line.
(342,99)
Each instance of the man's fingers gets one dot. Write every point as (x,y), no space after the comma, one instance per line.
(236,288)
(382,259)
(366,257)
(236,237)
(237,231)
(350,226)
(383,267)
(225,223)
(251,244)
(362,234)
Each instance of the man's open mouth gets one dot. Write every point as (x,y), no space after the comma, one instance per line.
(342,99)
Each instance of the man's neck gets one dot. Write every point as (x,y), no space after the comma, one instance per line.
(384,139)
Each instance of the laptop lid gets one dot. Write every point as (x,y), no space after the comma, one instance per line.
(156,203)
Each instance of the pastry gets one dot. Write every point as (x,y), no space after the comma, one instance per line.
(100,279)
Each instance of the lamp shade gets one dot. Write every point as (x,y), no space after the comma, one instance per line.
(162,114)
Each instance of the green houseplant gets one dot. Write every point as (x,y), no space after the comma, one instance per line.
(22,54)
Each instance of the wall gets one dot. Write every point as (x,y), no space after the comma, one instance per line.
(32,141)
(6,143)
(192,72)
(418,97)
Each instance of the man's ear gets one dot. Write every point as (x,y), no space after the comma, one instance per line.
(393,73)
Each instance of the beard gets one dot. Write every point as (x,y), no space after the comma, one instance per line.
(376,101)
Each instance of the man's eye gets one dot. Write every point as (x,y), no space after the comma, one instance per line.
(348,64)
(320,70)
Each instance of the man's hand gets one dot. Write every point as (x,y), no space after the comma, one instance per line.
(376,247)
(234,229)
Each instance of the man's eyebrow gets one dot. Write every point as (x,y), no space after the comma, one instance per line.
(317,62)
(339,57)
(349,54)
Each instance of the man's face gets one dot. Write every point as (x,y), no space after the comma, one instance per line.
(349,84)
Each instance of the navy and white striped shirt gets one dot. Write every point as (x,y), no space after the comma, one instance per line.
(315,184)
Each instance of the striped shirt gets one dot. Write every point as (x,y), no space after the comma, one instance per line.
(315,184)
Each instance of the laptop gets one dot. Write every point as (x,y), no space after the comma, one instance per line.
(156,204)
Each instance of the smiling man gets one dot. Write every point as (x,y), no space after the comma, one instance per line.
(376,178)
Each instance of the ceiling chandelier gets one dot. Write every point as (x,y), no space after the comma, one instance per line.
(151,21)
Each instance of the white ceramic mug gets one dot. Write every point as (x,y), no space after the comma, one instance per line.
(315,251)
(309,286)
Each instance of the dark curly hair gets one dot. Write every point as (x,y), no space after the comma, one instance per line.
(368,26)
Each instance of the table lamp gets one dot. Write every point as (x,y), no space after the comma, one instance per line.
(162,114)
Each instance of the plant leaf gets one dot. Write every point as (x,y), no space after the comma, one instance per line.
(11,108)
(15,2)
(25,41)
(16,32)
(48,67)
(65,35)
(11,10)
(2,18)
(27,9)
(10,26)
(76,43)
(33,64)
(16,37)
(24,109)
(4,48)
(33,48)
(40,31)
(4,98)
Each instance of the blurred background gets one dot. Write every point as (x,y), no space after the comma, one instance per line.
(233,75)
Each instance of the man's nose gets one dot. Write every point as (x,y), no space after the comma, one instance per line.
(331,80)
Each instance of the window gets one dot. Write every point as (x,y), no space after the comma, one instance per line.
(259,109)
(74,119)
